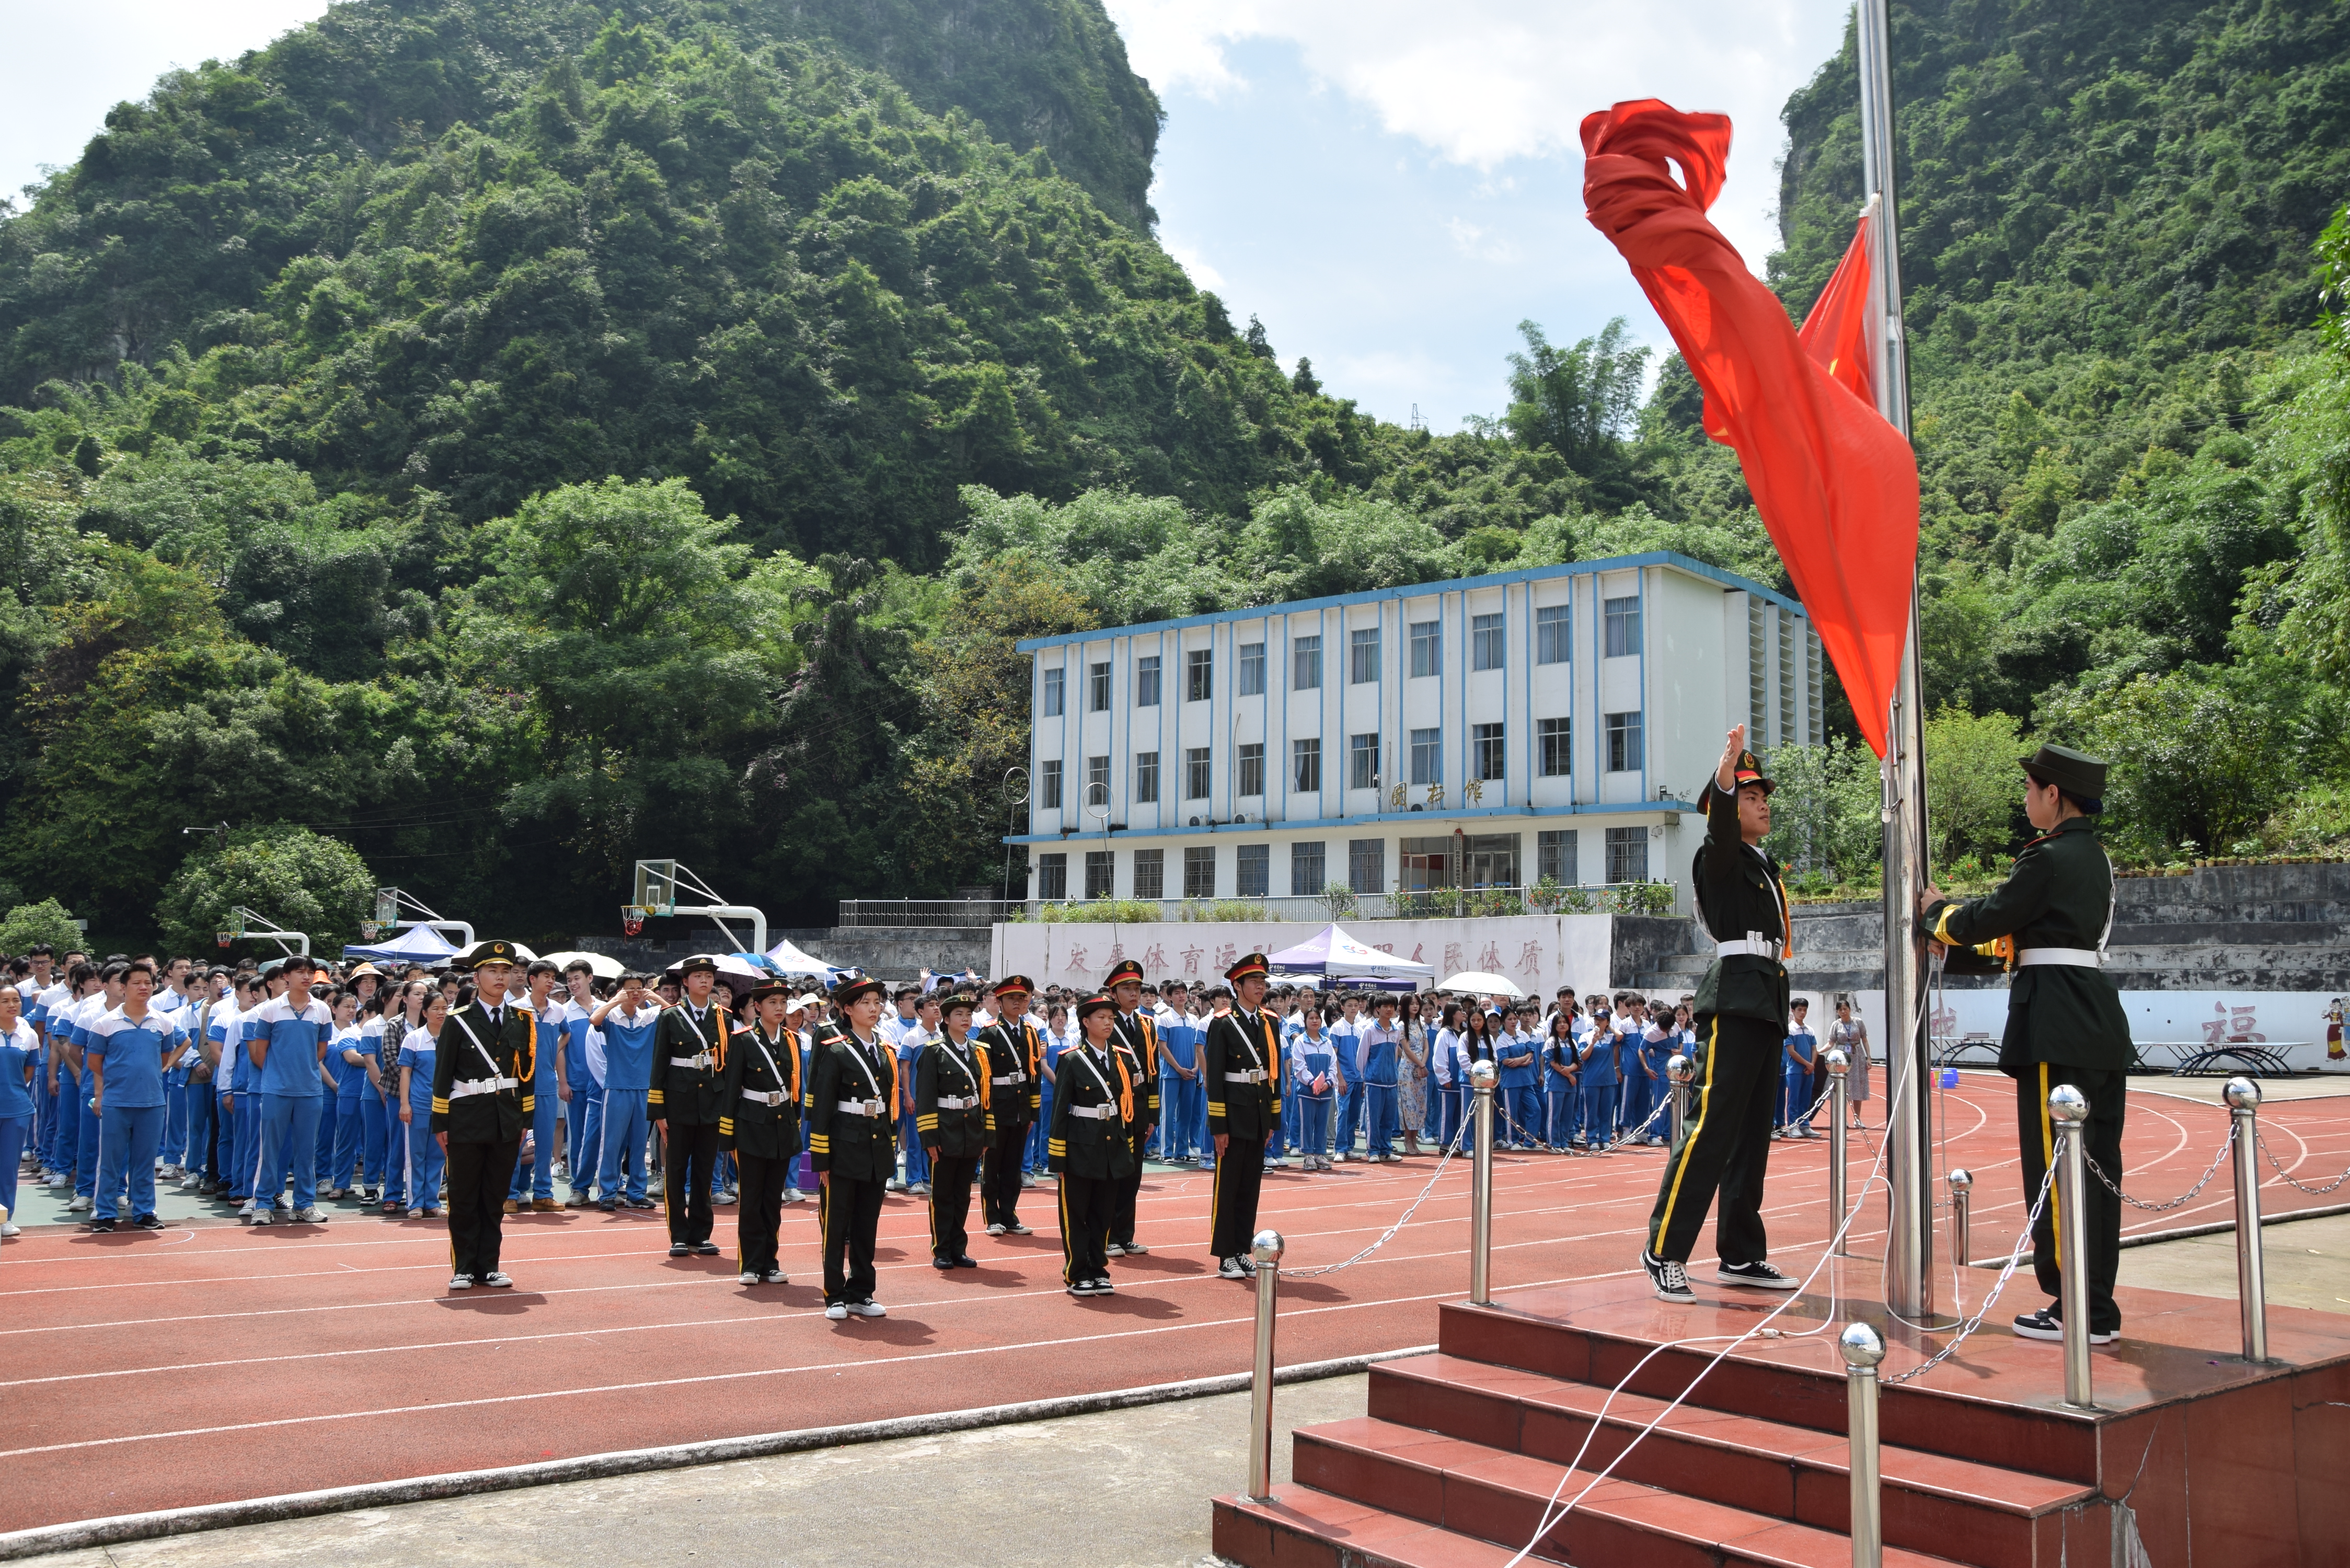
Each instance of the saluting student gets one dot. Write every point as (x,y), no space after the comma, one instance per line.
(1091,1147)
(759,1124)
(952,1099)
(482,1099)
(1137,1036)
(689,1066)
(628,1023)
(1015,1064)
(1242,1065)
(851,1095)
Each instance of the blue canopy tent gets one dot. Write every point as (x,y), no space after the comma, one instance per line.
(417,944)
(1332,951)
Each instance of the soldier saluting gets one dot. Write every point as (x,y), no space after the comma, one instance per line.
(687,1101)
(1240,1063)
(2065,1019)
(486,1057)
(1136,1036)
(1017,1081)
(759,1121)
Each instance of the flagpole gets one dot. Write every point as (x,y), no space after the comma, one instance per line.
(1909,1236)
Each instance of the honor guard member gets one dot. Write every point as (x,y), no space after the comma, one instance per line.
(759,1124)
(2049,921)
(952,1096)
(1240,1064)
(1091,1145)
(484,1063)
(852,1143)
(686,1103)
(1136,1036)
(1015,1064)
(1742,1017)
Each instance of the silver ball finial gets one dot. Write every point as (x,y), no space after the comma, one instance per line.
(1963,1180)
(1267,1248)
(1680,1069)
(1861,1345)
(1836,1062)
(2243,1095)
(1482,1074)
(2067,1104)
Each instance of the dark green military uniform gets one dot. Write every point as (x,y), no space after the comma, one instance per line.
(485,1060)
(2064,1019)
(688,1097)
(1740,1018)
(852,1142)
(1240,1065)
(1015,1064)
(952,1117)
(759,1123)
(1090,1146)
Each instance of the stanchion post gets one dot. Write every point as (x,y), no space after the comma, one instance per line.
(2251,1276)
(1683,1072)
(1266,1250)
(1863,1349)
(1963,1197)
(2069,1111)
(1837,1065)
(1482,1075)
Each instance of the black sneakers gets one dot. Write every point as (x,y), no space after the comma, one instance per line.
(1669,1280)
(2046,1325)
(1229,1269)
(1756,1277)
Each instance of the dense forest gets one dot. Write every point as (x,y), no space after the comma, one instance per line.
(512,437)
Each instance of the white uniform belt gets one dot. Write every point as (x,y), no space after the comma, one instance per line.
(1095,1113)
(1253,1075)
(700,1060)
(968,1103)
(466,1087)
(859,1108)
(765,1097)
(1751,945)
(1012,1078)
(2077,958)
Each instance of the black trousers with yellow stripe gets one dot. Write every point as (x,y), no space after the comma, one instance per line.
(1726,1145)
(1232,1198)
(951,1178)
(1086,1203)
(479,1174)
(850,1213)
(759,1217)
(690,1158)
(2109,1096)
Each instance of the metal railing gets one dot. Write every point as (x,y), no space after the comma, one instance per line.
(945,912)
(1436,903)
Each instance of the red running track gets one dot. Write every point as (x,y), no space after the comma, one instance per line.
(143,1371)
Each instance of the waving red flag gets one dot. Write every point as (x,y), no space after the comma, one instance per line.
(1837,332)
(1836,485)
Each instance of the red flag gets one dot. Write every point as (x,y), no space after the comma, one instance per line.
(1836,485)
(1836,333)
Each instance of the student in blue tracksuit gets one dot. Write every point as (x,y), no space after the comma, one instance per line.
(171,1000)
(1346,1036)
(582,1091)
(1521,1084)
(1642,1087)
(21,1060)
(1562,1093)
(104,999)
(65,1076)
(1796,1074)
(1183,1109)
(330,1083)
(346,1058)
(286,1038)
(627,1023)
(128,1051)
(532,1186)
(1057,1035)
(419,1059)
(1601,1084)
(911,1039)
(1380,1051)
(1321,1081)
(403,1015)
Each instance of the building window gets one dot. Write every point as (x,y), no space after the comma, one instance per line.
(1196,776)
(1252,682)
(1096,783)
(1200,675)
(1306,663)
(1145,682)
(1556,741)
(1363,762)
(1097,688)
(1146,777)
(1552,644)
(1813,726)
(1786,730)
(1623,742)
(1252,768)
(1427,648)
(1051,876)
(1305,767)
(1150,873)
(1367,864)
(1485,642)
(1053,679)
(1305,877)
(1363,657)
(1628,855)
(1555,856)
(1253,870)
(1427,756)
(1489,860)
(1199,873)
(1486,745)
(1758,676)
(1100,867)
(1048,786)
(1424,864)
(1624,627)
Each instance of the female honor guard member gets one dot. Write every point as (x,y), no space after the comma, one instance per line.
(951,1116)
(852,1143)
(1741,1016)
(1015,1063)
(1240,1064)
(483,1065)
(759,1122)
(1137,1033)
(685,1104)
(1092,1145)
(2064,1019)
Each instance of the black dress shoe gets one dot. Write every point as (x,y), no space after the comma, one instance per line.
(943,1262)
(706,1249)
(966,1261)
(681,1249)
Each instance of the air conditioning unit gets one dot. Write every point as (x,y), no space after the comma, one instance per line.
(1195,822)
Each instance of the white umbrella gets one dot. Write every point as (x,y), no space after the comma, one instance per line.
(741,966)
(1476,979)
(524,954)
(598,964)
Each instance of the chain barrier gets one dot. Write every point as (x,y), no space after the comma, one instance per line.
(2299,1186)
(2184,1198)
(1502,1109)
(1468,1125)
(1968,1327)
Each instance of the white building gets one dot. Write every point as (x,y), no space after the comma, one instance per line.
(1486,731)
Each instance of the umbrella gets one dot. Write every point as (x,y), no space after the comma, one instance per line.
(741,966)
(523,953)
(1331,950)
(598,964)
(1490,984)
(417,944)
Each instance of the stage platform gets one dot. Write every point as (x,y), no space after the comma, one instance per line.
(2214,1461)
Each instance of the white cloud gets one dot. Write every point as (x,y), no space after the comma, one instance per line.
(1188,257)
(1478,243)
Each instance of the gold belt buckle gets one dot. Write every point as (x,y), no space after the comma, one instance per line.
(872,1108)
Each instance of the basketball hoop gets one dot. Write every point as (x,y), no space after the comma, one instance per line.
(632,920)
(368,930)
(223,937)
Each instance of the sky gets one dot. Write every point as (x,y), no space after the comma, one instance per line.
(1389,188)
